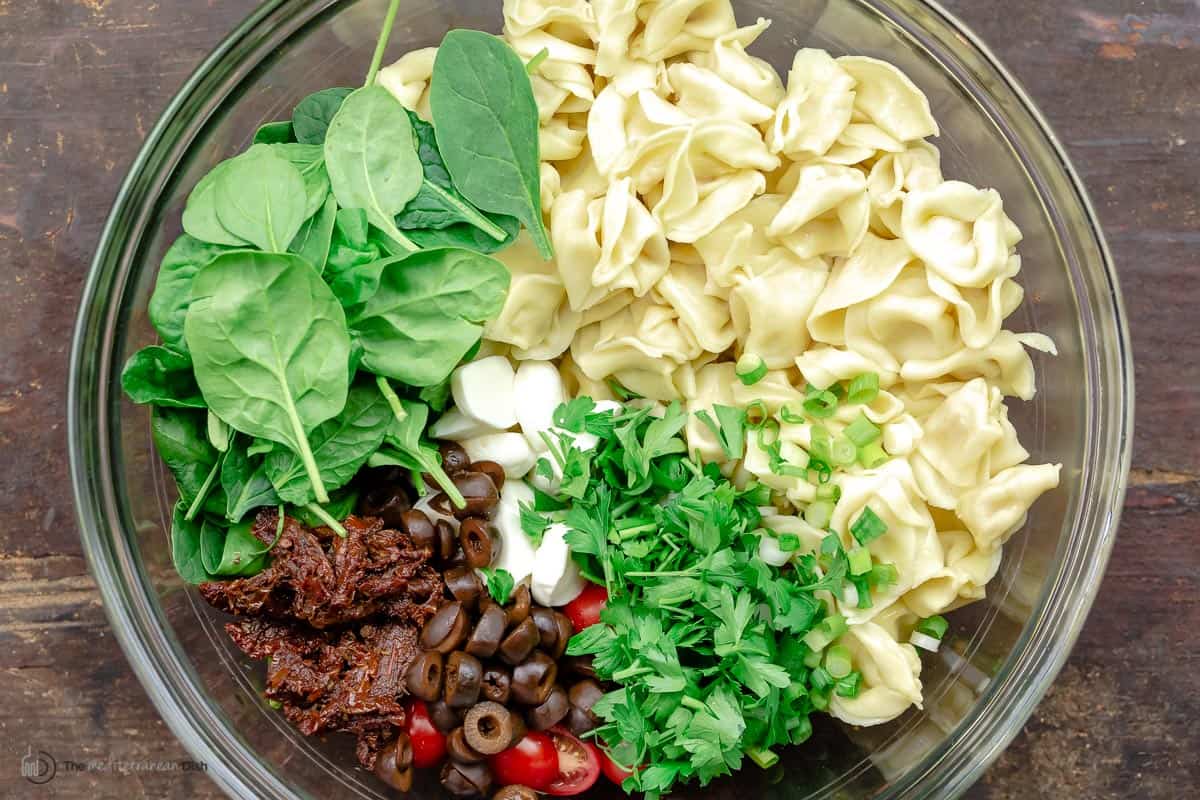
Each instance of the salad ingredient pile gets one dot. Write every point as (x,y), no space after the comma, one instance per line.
(588,400)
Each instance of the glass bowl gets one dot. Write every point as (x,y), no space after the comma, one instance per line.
(1003,651)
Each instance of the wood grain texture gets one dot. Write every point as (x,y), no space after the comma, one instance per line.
(81,81)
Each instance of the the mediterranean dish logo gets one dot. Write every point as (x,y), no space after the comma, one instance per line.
(39,767)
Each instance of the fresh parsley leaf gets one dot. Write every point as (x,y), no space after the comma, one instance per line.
(729,428)
(570,416)
(500,584)
(533,524)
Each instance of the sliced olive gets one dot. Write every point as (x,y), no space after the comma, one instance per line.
(579,665)
(547,629)
(447,540)
(460,749)
(454,457)
(522,602)
(580,722)
(565,631)
(519,730)
(488,727)
(446,629)
(464,583)
(582,696)
(419,528)
(389,502)
(476,541)
(424,676)
(477,490)
(464,675)
(497,684)
(533,680)
(488,632)
(492,470)
(465,781)
(394,764)
(515,791)
(520,642)
(444,718)
(551,712)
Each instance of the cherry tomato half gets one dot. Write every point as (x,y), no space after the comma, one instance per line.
(428,743)
(533,762)
(578,764)
(611,771)
(584,611)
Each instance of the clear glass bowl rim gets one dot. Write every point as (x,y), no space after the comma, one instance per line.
(945,773)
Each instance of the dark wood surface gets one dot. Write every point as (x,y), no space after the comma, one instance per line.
(81,81)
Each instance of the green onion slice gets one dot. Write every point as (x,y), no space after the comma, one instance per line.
(750,369)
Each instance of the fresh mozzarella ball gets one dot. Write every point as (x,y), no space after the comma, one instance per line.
(556,579)
(456,425)
(516,554)
(509,450)
(483,390)
(538,389)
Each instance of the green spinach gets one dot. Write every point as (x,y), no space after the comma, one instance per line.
(467,236)
(161,376)
(341,505)
(275,133)
(486,120)
(242,554)
(315,238)
(270,348)
(212,543)
(313,114)
(173,290)
(428,312)
(340,445)
(181,440)
(406,446)
(372,160)
(245,481)
(309,161)
(438,204)
(201,218)
(262,198)
(185,547)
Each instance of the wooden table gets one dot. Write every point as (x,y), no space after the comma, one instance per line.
(81,81)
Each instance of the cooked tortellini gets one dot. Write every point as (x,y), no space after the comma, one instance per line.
(704,211)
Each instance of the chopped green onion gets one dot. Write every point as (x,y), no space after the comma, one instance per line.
(789,542)
(750,369)
(935,626)
(843,452)
(820,473)
(764,758)
(837,661)
(821,679)
(820,444)
(863,389)
(275,704)
(536,61)
(817,639)
(830,545)
(924,642)
(862,431)
(829,491)
(884,575)
(819,514)
(821,404)
(872,455)
(848,686)
(834,625)
(791,417)
(863,585)
(820,700)
(868,527)
(813,659)
(860,561)
(756,414)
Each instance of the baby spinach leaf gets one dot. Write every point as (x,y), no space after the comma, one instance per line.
(275,133)
(212,543)
(487,128)
(162,376)
(371,158)
(201,218)
(245,481)
(313,241)
(309,161)
(173,291)
(407,447)
(242,554)
(182,443)
(270,347)
(262,198)
(438,204)
(468,236)
(352,269)
(437,396)
(313,114)
(340,445)
(185,547)
(428,312)
(341,505)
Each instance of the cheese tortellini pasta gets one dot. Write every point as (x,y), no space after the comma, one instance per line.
(703,209)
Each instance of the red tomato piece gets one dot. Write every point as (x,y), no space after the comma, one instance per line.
(533,762)
(584,611)
(578,764)
(611,770)
(428,743)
